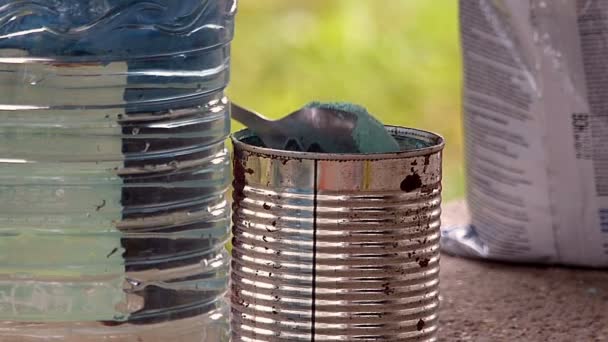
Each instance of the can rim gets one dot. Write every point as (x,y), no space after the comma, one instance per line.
(437,144)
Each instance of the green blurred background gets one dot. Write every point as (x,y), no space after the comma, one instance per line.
(398,58)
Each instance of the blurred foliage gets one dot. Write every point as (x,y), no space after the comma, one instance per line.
(398,58)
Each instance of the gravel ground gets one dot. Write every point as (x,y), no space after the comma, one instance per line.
(485,301)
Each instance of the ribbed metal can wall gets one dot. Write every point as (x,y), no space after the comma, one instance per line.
(336,247)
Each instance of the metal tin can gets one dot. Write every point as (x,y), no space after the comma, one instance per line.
(336,247)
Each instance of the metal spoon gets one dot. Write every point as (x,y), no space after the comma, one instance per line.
(307,129)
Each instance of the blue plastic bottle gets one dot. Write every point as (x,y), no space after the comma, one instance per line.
(113,170)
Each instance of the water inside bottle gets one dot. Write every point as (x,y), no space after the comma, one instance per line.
(113,170)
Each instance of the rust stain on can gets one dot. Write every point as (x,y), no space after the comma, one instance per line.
(336,247)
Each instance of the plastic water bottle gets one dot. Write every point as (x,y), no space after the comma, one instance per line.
(113,170)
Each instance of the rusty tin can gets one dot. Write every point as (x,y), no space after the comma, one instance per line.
(336,247)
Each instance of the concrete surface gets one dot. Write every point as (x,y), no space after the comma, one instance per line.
(498,302)
(483,301)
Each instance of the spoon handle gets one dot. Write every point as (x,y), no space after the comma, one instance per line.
(250,119)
